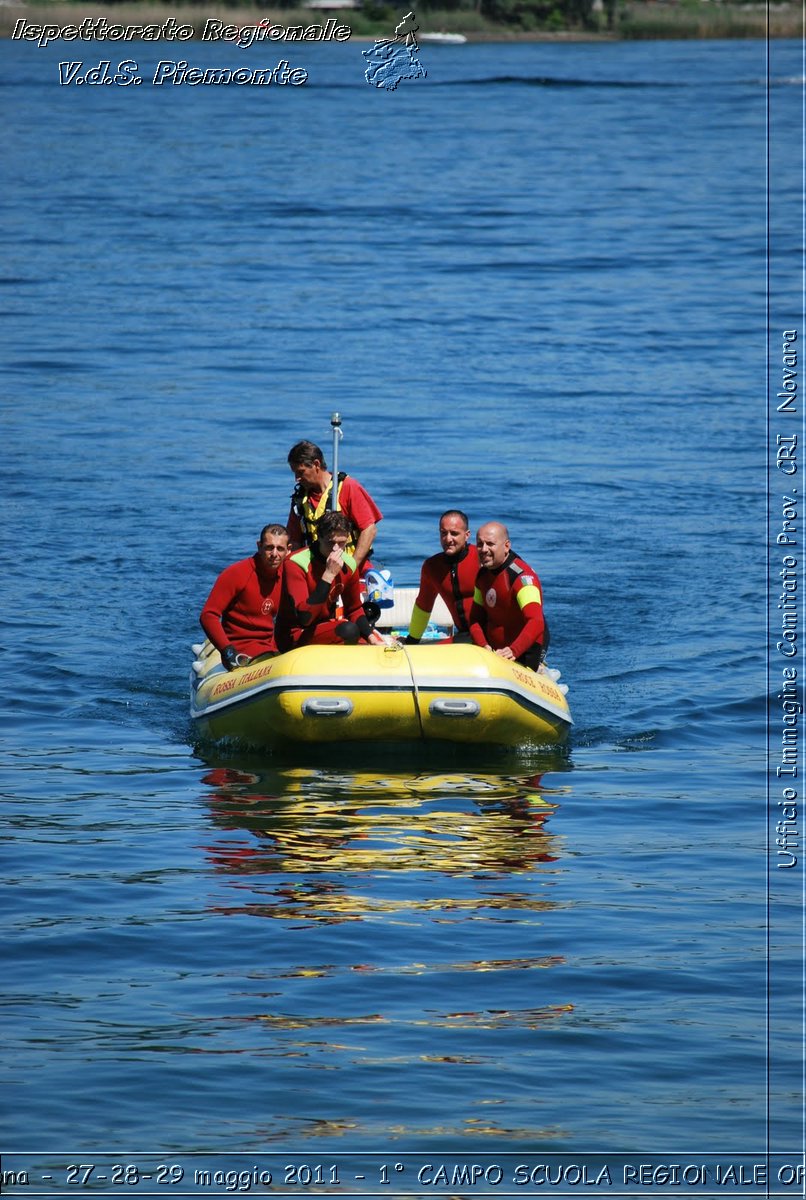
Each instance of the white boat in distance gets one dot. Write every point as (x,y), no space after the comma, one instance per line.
(447,39)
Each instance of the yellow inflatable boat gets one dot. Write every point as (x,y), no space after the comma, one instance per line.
(434,691)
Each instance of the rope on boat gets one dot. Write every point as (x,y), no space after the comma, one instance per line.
(416,691)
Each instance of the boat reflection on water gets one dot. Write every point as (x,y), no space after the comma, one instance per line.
(334,826)
(410,928)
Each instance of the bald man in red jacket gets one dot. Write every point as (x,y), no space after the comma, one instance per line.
(507,612)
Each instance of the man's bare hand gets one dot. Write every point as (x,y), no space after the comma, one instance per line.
(335,562)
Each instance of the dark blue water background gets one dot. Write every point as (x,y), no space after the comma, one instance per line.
(534,286)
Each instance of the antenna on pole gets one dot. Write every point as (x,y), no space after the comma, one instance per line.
(335,422)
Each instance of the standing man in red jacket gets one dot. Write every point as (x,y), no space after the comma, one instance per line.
(311,499)
(507,612)
(321,601)
(239,615)
(450,574)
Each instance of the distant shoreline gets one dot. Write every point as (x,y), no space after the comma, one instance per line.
(638,20)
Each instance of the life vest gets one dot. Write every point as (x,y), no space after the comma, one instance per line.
(456,591)
(309,517)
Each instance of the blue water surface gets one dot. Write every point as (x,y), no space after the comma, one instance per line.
(534,284)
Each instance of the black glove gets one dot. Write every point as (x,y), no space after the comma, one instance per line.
(372,612)
(229,658)
(364,627)
(410,641)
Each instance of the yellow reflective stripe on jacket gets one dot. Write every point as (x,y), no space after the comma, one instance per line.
(303,559)
(529,595)
(478,598)
(418,622)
